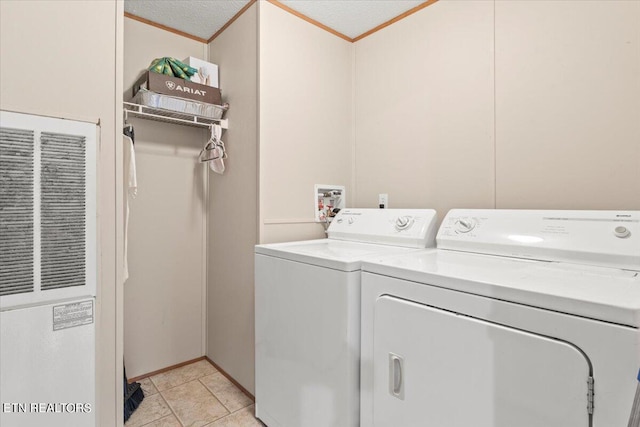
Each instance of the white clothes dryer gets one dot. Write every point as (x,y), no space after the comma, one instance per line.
(307,308)
(518,319)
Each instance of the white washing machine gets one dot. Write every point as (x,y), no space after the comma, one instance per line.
(518,319)
(307,297)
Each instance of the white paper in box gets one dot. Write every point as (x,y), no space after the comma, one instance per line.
(207,72)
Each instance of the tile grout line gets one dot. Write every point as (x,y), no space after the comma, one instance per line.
(222,403)
(154,384)
(178,385)
(232,385)
(199,378)
(171,409)
(206,388)
(230,414)
(164,416)
(171,388)
(225,406)
(244,407)
(215,397)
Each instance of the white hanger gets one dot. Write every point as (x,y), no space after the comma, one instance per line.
(209,152)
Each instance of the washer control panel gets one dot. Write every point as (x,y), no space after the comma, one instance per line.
(604,238)
(400,227)
(622,232)
(465,225)
(404,222)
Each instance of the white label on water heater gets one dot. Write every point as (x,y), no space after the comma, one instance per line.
(72,315)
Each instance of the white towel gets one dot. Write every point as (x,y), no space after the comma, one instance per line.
(131,190)
(133,180)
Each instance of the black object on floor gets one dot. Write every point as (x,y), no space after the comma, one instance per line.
(133,396)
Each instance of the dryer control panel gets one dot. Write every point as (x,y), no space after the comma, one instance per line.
(399,227)
(603,238)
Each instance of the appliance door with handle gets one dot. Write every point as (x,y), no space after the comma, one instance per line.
(439,368)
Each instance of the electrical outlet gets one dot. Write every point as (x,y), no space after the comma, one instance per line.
(383,200)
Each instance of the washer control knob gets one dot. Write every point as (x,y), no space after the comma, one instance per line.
(350,220)
(465,225)
(621,232)
(404,222)
(339,220)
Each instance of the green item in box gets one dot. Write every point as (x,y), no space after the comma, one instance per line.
(172,67)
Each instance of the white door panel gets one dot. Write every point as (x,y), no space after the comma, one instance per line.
(442,369)
(47,366)
(307,344)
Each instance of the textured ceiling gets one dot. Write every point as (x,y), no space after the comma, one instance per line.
(200,18)
(203,18)
(351,17)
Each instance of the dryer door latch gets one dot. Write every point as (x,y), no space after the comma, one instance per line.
(590,393)
(396,380)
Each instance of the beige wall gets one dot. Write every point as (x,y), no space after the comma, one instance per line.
(304,85)
(164,310)
(305,121)
(555,123)
(79,43)
(233,213)
(568,104)
(424,110)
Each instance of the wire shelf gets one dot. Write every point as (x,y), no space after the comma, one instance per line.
(168,116)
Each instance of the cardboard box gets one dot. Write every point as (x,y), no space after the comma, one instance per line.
(177,87)
(207,72)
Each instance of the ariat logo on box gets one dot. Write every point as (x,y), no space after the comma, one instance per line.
(173,86)
(178,87)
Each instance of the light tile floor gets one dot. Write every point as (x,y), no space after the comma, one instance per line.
(194,395)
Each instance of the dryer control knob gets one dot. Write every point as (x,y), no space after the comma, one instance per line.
(465,225)
(404,222)
(621,232)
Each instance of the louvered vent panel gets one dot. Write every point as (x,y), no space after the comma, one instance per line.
(16,211)
(63,211)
